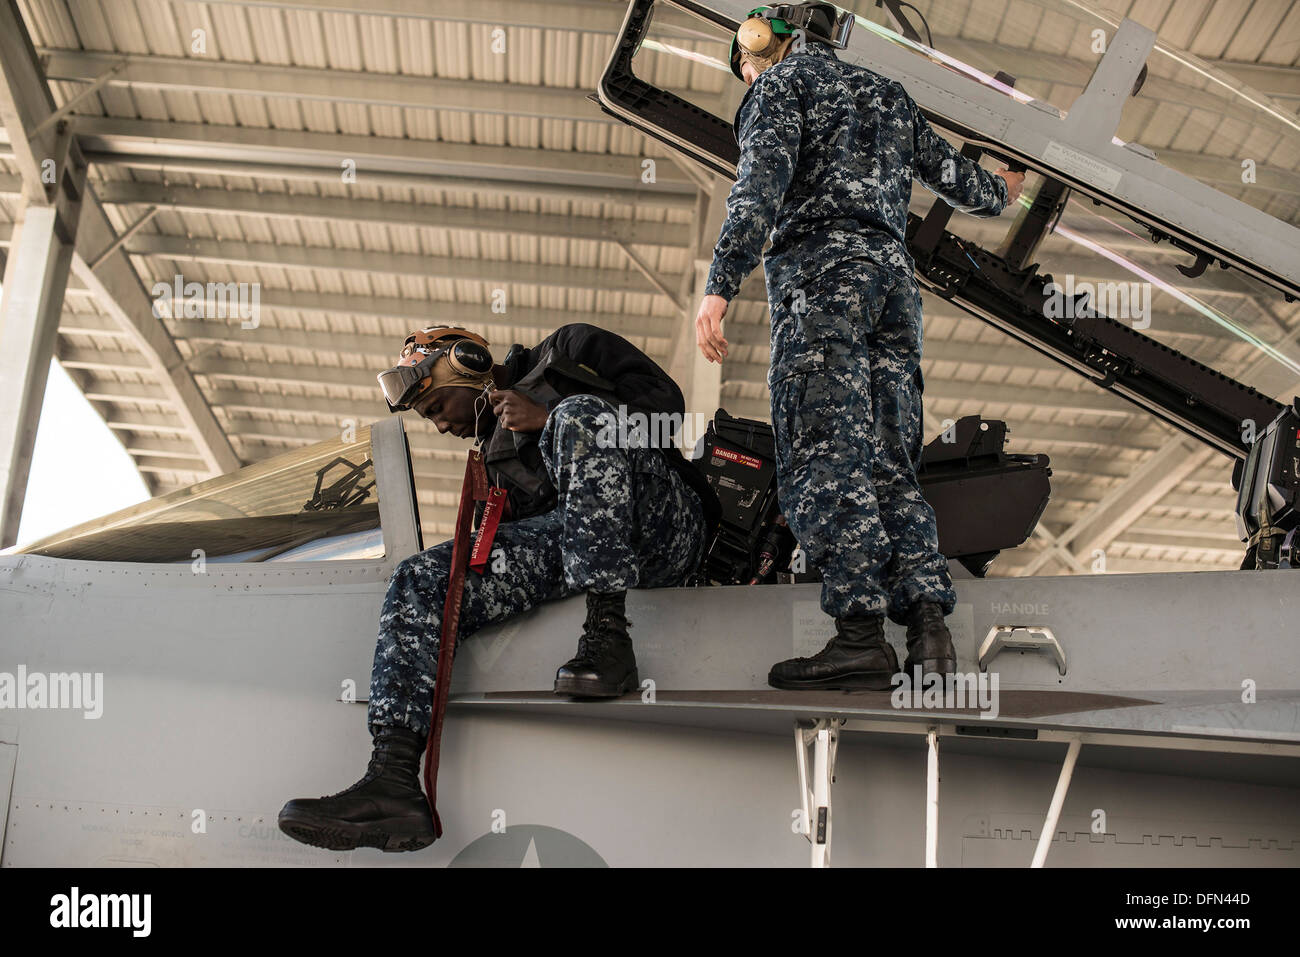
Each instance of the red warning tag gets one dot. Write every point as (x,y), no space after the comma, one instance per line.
(487,529)
(740,458)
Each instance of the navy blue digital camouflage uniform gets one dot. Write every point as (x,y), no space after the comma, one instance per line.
(624,519)
(828,151)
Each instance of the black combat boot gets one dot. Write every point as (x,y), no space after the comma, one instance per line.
(605,665)
(858,658)
(929,643)
(385,809)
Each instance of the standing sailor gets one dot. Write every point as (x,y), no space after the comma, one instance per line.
(828,152)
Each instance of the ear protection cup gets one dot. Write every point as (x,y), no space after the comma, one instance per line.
(760,39)
(469,358)
(756,36)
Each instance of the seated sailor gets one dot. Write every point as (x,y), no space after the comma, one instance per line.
(589,511)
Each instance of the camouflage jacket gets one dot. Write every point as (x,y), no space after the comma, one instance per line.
(828,152)
(581,359)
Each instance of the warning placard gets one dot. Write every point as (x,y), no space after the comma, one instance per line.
(738,457)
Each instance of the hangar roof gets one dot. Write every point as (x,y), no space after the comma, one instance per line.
(379,166)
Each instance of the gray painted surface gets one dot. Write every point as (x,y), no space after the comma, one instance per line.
(222,695)
(649,795)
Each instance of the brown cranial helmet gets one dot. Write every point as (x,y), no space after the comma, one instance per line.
(435,357)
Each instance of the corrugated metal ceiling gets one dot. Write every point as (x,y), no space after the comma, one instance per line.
(479,171)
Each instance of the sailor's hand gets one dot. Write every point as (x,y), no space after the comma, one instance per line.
(1015,183)
(708,328)
(517,412)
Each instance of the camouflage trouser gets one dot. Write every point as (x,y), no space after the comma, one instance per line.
(625,519)
(846,409)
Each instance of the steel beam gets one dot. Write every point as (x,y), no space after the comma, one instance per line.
(209,165)
(39,150)
(118,291)
(113,281)
(130,420)
(381,347)
(588,16)
(165,448)
(327,259)
(1196,329)
(1137,537)
(187,74)
(973,395)
(1080,497)
(297,207)
(400,91)
(477,317)
(35,276)
(39,255)
(112,360)
(1031,435)
(247,144)
(90,324)
(96,389)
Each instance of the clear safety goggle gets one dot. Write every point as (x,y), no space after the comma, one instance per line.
(401,384)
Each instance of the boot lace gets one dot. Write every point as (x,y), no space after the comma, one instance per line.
(379,759)
(373,770)
(599,631)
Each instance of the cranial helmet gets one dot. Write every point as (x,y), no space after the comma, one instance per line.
(435,357)
(771,31)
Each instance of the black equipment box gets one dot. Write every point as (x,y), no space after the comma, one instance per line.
(738,458)
(985,500)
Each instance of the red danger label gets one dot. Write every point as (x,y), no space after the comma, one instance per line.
(737,457)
